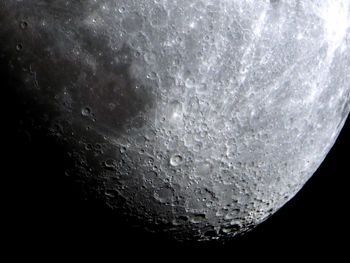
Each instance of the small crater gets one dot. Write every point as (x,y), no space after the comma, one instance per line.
(86,111)
(23,25)
(88,147)
(19,47)
(122,149)
(122,9)
(176,160)
(110,164)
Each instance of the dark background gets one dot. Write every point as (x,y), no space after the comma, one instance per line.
(43,210)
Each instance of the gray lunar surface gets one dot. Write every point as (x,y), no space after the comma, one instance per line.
(200,118)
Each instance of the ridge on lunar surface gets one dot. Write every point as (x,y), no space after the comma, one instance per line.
(199,118)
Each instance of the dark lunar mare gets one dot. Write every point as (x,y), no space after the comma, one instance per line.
(38,71)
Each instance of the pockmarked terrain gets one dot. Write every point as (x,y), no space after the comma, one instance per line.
(197,118)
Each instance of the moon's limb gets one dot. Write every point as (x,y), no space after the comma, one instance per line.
(209,115)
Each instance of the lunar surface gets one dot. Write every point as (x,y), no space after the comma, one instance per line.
(198,119)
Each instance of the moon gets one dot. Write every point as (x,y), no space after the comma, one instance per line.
(199,119)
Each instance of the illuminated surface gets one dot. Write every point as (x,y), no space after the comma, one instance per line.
(199,117)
